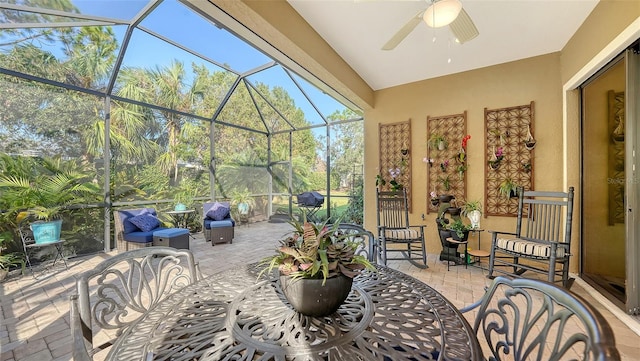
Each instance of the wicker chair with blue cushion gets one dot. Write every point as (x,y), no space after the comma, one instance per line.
(217,224)
(134,228)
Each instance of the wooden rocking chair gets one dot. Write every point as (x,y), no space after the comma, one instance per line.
(394,232)
(542,240)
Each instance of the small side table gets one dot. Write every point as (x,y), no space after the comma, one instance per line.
(477,253)
(180,218)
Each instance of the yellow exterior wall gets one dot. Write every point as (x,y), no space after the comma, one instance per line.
(505,85)
(607,20)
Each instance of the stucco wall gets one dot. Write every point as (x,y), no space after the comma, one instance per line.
(505,85)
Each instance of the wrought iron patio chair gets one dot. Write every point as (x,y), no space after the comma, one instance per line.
(368,241)
(29,244)
(119,291)
(542,239)
(527,319)
(396,236)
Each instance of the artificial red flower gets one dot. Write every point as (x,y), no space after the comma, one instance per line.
(465,140)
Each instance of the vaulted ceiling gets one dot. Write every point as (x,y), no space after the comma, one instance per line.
(509,30)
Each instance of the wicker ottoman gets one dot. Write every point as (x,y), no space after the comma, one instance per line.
(172,237)
(221,232)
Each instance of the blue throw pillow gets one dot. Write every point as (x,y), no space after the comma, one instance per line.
(219,211)
(146,222)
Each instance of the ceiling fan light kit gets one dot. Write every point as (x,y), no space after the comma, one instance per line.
(442,13)
(439,13)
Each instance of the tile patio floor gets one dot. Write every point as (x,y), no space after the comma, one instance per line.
(34,317)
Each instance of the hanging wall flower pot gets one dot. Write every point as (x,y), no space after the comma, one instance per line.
(529,142)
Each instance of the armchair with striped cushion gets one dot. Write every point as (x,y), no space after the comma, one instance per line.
(398,239)
(542,239)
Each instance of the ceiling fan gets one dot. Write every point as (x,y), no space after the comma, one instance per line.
(439,13)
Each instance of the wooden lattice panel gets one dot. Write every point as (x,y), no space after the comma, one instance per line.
(395,153)
(453,128)
(616,157)
(508,128)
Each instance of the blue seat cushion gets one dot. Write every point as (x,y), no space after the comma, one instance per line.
(209,223)
(140,237)
(170,232)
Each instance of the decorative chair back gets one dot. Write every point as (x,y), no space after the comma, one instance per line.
(545,216)
(357,233)
(120,289)
(528,319)
(393,209)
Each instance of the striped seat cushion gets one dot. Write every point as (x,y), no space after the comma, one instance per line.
(401,234)
(528,247)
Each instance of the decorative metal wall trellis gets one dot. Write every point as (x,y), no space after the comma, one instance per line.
(446,168)
(509,155)
(616,172)
(395,153)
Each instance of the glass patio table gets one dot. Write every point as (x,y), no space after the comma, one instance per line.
(234,315)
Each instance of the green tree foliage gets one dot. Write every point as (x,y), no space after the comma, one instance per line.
(347,148)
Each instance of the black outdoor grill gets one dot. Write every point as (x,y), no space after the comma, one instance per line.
(311,202)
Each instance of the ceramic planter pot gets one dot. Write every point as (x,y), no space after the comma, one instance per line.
(310,297)
(46,232)
(474,216)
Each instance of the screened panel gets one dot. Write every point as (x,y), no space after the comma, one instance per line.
(283,93)
(52,157)
(77,56)
(184,23)
(325,104)
(171,88)
(158,73)
(240,110)
(270,117)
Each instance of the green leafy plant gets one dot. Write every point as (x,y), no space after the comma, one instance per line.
(446,182)
(48,189)
(7,260)
(458,227)
(470,206)
(435,140)
(507,188)
(317,251)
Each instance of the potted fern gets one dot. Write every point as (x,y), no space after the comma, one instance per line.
(317,265)
(46,190)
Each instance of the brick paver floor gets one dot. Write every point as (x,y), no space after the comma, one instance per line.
(34,313)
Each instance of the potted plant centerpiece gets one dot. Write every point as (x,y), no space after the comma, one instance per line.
(473,211)
(317,265)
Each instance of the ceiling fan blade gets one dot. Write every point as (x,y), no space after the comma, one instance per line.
(463,27)
(403,32)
